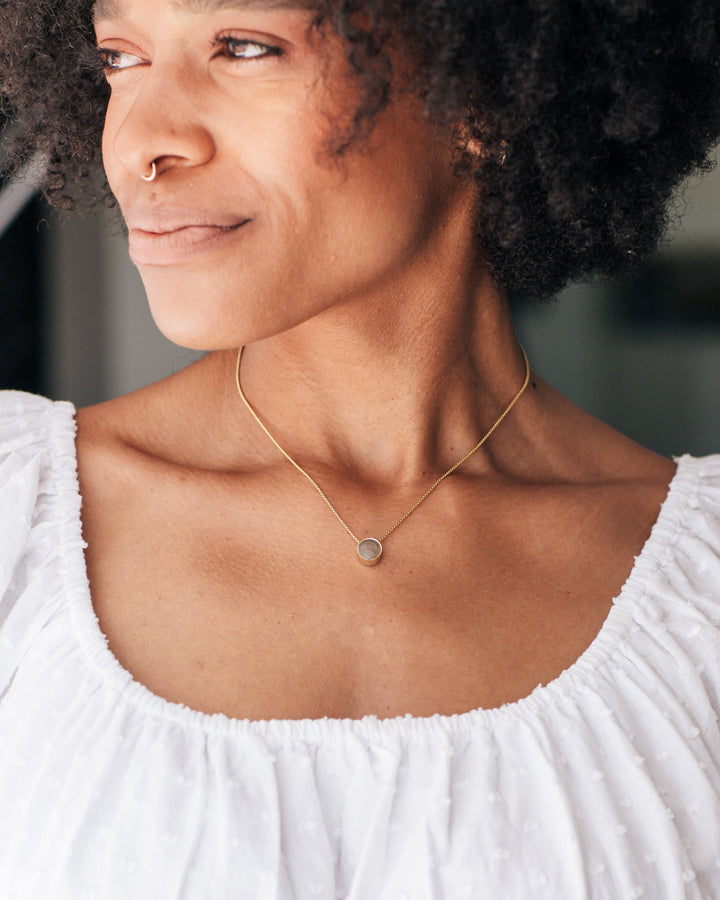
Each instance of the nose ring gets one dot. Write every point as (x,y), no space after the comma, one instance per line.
(153,174)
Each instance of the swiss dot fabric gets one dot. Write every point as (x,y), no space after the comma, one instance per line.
(602,785)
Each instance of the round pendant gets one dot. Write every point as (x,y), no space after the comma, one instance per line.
(369,551)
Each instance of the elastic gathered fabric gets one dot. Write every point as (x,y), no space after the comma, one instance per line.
(603,784)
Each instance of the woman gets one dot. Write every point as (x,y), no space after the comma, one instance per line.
(243,709)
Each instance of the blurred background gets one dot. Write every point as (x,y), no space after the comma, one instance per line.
(643,355)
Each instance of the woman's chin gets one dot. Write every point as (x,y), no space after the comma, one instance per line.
(191,330)
(208,327)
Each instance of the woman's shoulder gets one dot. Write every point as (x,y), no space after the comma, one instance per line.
(37,447)
(39,516)
(695,491)
(681,560)
(29,420)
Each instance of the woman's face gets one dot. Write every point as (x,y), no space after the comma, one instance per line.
(250,226)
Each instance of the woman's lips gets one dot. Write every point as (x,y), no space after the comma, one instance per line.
(167,248)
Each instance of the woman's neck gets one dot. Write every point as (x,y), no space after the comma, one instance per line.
(391,390)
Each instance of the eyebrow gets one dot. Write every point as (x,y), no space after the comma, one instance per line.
(112,9)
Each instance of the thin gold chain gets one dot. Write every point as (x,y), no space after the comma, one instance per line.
(427,492)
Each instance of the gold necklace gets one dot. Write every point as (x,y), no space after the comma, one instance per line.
(369,550)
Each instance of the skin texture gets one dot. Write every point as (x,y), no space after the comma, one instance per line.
(379,350)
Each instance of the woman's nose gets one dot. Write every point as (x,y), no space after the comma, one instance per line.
(163,125)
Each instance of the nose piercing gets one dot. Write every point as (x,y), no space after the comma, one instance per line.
(153,174)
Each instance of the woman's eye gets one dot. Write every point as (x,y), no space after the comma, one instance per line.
(238,48)
(116,60)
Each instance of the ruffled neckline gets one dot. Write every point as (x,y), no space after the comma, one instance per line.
(681,496)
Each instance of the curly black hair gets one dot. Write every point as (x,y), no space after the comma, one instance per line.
(590,113)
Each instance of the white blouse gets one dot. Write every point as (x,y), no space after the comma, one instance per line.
(602,784)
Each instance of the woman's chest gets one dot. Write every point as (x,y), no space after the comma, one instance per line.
(218,648)
(273,623)
(245,596)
